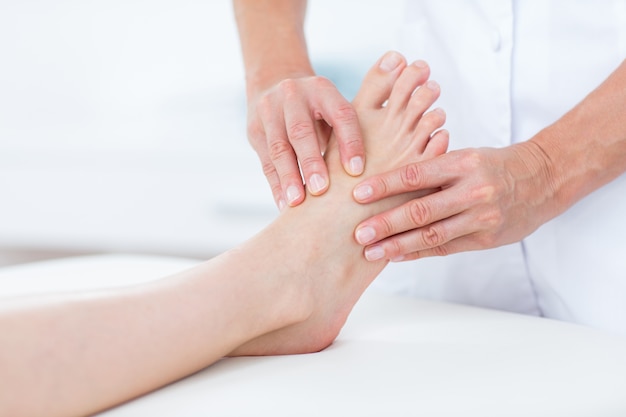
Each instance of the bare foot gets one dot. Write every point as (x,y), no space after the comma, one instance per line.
(317,237)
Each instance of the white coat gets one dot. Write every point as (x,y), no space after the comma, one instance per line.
(508,69)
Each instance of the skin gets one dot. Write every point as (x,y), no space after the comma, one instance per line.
(487,197)
(492,197)
(290,109)
(288,289)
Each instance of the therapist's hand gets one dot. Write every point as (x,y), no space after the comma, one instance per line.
(486,198)
(289,125)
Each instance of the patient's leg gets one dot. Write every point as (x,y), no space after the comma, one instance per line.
(316,239)
(75,354)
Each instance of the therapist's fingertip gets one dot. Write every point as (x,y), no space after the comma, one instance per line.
(374,253)
(363,192)
(317,184)
(355,166)
(365,235)
(293,195)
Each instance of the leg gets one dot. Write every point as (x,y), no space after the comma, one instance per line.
(288,289)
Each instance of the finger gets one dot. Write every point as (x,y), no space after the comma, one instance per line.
(258,141)
(339,113)
(433,238)
(272,178)
(431,173)
(302,133)
(461,244)
(281,155)
(417,213)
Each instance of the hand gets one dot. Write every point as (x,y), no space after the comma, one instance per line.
(289,125)
(484,198)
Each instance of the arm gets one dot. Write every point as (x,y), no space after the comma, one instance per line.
(491,197)
(290,109)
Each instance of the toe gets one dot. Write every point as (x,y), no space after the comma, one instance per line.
(412,77)
(422,99)
(437,145)
(427,126)
(379,81)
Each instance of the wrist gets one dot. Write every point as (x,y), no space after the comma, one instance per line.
(265,77)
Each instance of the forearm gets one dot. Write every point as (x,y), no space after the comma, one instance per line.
(79,353)
(586,148)
(272,41)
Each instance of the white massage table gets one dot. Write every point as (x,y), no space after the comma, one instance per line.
(395,357)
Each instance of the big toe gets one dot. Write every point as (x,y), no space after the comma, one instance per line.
(379,80)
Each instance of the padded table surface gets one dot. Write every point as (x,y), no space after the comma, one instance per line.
(395,357)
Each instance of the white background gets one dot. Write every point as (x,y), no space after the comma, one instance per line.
(122,122)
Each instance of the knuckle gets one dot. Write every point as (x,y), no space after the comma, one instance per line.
(264,106)
(411,177)
(311,163)
(320,82)
(280,149)
(345,114)
(386,226)
(472,159)
(433,237)
(269,170)
(418,213)
(300,130)
(288,87)
(381,186)
(485,193)
(485,240)
(394,247)
(492,219)
(440,250)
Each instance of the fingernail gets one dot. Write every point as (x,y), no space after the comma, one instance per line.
(356,165)
(432,85)
(281,204)
(363,192)
(365,235)
(420,64)
(293,194)
(390,61)
(316,183)
(398,258)
(374,253)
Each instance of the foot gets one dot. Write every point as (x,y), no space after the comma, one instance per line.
(318,249)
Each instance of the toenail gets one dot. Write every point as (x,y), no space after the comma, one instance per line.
(439,111)
(293,194)
(316,183)
(356,165)
(374,253)
(420,64)
(390,61)
(432,85)
(365,235)
(363,192)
